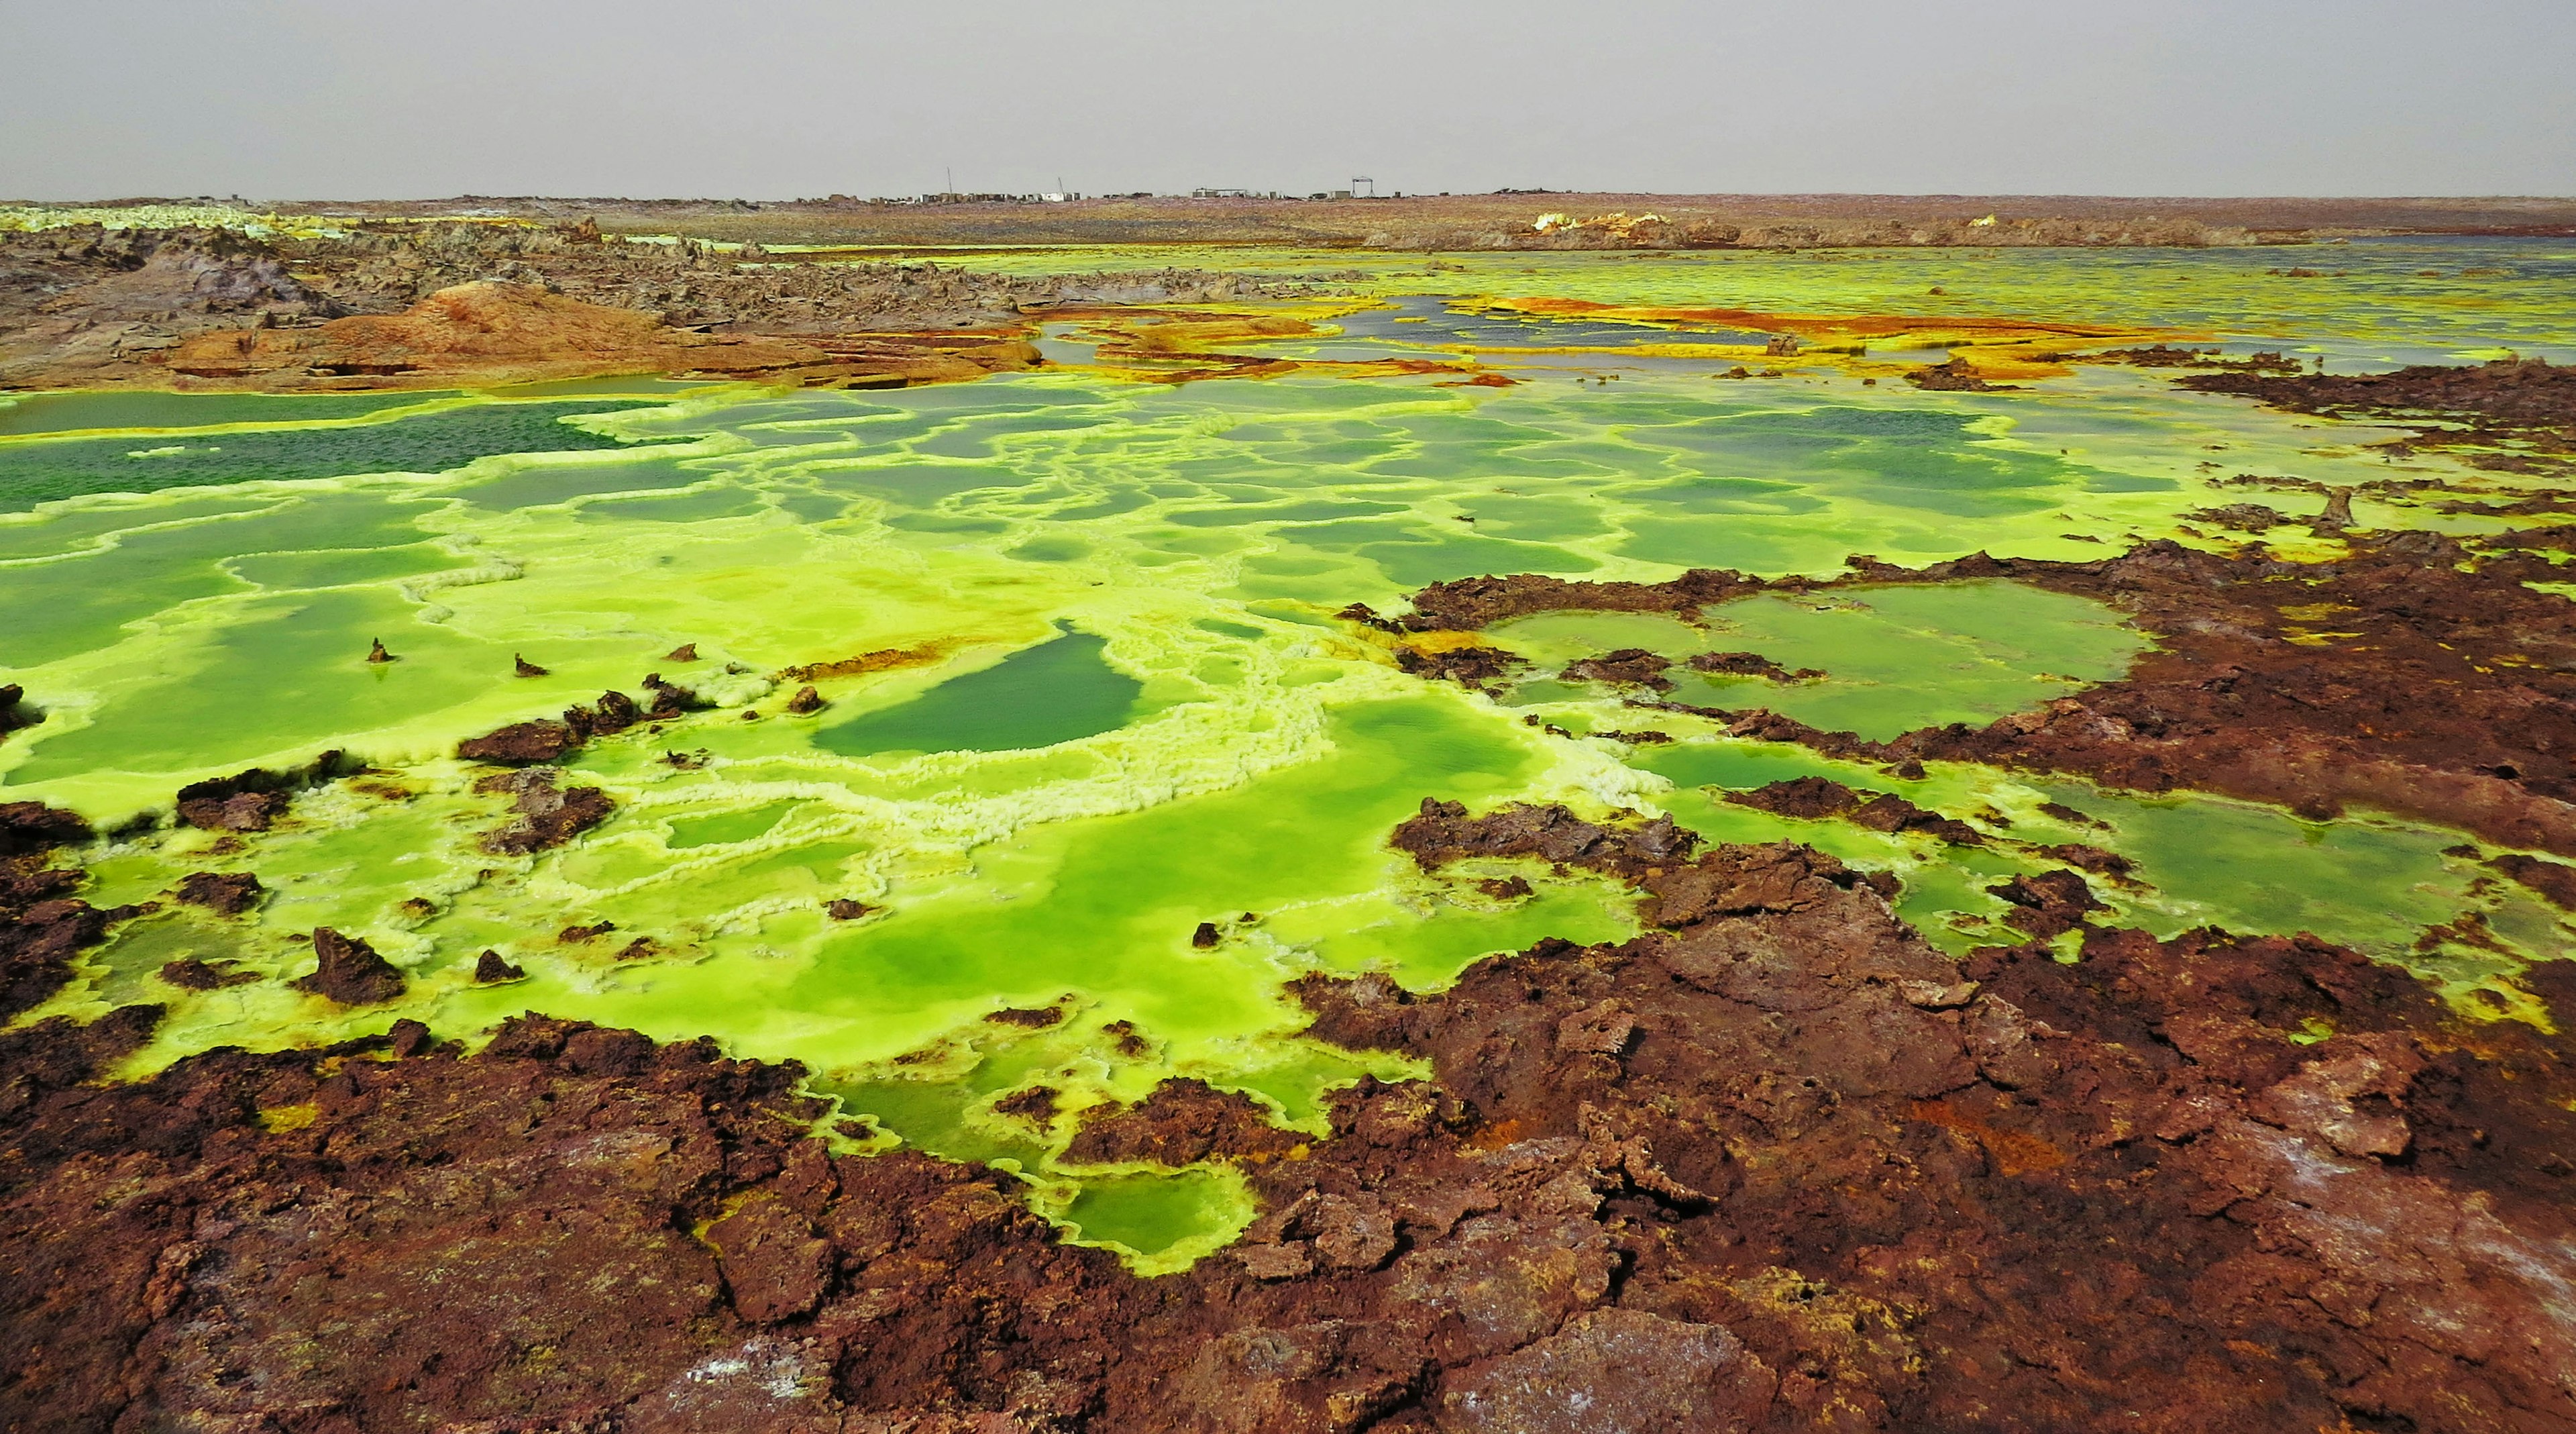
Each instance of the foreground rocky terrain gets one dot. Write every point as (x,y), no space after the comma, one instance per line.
(1775,1165)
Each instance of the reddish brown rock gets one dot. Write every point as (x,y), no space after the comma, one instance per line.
(1027,1018)
(543,815)
(806,702)
(350,972)
(614,712)
(1817,797)
(1474,668)
(490,969)
(2554,880)
(42,926)
(1615,1369)
(1627,667)
(229,894)
(1750,664)
(1182,1122)
(520,743)
(14,712)
(193,974)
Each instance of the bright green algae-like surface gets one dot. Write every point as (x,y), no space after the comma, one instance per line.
(244,450)
(1127,708)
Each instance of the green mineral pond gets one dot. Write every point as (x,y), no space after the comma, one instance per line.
(1094,693)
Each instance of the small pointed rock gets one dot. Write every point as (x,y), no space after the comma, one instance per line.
(526,668)
(489,968)
(685,652)
(350,972)
(377,653)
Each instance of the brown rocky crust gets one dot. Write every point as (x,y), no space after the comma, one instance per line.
(2524,406)
(1467,604)
(14,711)
(2173,356)
(806,702)
(2554,881)
(195,974)
(226,893)
(1474,668)
(520,743)
(1027,1018)
(252,800)
(1182,1122)
(1954,375)
(1627,667)
(350,972)
(42,925)
(685,652)
(842,908)
(1776,1165)
(2413,676)
(614,712)
(1879,811)
(490,969)
(521,667)
(669,698)
(2049,903)
(1750,664)
(543,815)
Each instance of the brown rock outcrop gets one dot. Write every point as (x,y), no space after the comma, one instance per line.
(226,893)
(543,814)
(350,972)
(1776,1170)
(42,926)
(1879,811)
(521,743)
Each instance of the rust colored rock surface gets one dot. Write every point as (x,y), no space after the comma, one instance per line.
(543,814)
(520,743)
(1475,668)
(1778,1170)
(42,925)
(14,711)
(252,800)
(1878,811)
(1627,667)
(1470,603)
(2529,404)
(1181,1123)
(490,968)
(1751,664)
(227,893)
(350,972)
(193,974)
(806,702)
(2414,676)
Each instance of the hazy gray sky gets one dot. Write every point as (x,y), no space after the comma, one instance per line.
(784,98)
